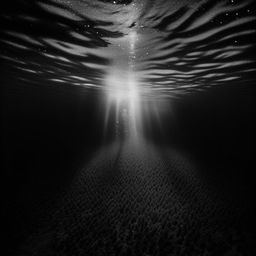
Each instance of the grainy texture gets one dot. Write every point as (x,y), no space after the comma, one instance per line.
(133,199)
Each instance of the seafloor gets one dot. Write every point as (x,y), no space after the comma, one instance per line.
(133,198)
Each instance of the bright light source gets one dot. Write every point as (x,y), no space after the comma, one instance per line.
(122,91)
(132,39)
(123,94)
(120,87)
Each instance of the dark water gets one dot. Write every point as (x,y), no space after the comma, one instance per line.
(176,77)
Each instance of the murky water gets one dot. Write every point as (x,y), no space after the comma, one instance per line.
(139,58)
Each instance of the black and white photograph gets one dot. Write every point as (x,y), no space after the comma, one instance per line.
(128,127)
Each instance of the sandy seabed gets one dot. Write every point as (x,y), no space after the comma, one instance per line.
(135,199)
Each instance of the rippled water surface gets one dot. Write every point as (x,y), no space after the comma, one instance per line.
(81,74)
(166,48)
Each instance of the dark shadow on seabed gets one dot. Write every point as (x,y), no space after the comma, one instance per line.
(47,134)
(148,200)
(127,199)
(139,200)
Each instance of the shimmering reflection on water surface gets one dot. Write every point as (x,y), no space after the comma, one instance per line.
(180,46)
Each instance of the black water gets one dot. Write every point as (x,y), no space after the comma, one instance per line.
(198,57)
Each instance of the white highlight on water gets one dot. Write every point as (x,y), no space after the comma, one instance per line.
(122,92)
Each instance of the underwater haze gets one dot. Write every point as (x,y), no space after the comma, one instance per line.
(128,127)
